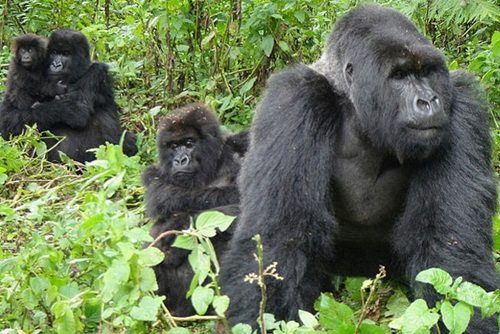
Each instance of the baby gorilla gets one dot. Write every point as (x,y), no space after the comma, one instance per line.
(197,168)
(27,84)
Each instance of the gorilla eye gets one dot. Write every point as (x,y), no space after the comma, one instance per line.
(172,146)
(190,143)
(398,75)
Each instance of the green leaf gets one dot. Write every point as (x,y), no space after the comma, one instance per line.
(456,318)
(154,111)
(113,184)
(69,291)
(439,278)
(185,242)
(147,279)
(300,16)
(127,249)
(178,330)
(242,329)
(93,310)
(200,262)
(334,315)
(220,304)
(207,39)
(473,295)
(495,44)
(418,318)
(397,304)
(138,234)
(495,37)
(208,222)
(148,309)
(308,319)
(248,85)
(65,319)
(267,45)
(114,277)
(367,328)
(201,299)
(283,46)
(151,256)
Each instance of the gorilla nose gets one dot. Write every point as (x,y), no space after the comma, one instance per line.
(426,106)
(181,161)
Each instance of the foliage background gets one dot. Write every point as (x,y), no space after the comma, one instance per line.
(70,256)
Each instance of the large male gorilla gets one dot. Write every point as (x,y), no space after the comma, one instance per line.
(86,116)
(197,168)
(375,154)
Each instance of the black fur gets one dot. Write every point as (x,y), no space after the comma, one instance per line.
(26,81)
(374,155)
(177,193)
(212,183)
(86,116)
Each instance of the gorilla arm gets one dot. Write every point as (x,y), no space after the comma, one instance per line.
(164,199)
(285,186)
(67,112)
(239,142)
(94,88)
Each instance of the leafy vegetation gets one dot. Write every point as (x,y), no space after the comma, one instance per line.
(72,257)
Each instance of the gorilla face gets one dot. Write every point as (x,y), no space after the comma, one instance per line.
(401,93)
(27,57)
(188,157)
(181,155)
(59,64)
(69,55)
(29,50)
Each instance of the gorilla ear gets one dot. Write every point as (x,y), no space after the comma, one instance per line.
(348,74)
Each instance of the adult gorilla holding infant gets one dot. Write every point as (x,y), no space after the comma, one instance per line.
(85,116)
(374,155)
(27,83)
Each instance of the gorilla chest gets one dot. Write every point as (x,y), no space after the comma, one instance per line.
(368,190)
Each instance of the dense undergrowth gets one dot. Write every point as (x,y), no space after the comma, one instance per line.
(72,257)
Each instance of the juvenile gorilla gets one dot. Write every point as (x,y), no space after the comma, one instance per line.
(373,155)
(86,116)
(27,83)
(197,168)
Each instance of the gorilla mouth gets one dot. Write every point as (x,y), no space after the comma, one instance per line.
(425,132)
(425,128)
(183,175)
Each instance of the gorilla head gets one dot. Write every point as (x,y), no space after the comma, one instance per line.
(29,52)
(397,82)
(190,144)
(69,55)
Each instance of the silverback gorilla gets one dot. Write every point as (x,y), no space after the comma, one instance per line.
(197,169)
(375,154)
(86,116)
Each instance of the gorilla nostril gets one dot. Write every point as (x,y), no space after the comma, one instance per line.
(181,161)
(423,105)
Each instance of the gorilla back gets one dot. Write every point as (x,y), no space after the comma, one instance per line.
(374,155)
